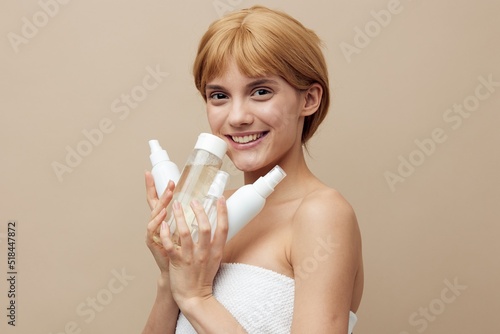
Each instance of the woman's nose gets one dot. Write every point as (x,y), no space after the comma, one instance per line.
(240,114)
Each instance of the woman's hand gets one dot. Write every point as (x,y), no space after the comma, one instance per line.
(193,265)
(163,316)
(158,215)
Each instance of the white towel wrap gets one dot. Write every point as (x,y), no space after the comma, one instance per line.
(260,299)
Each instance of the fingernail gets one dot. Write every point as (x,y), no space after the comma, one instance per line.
(163,225)
(195,203)
(176,205)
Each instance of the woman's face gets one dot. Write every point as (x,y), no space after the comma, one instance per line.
(260,118)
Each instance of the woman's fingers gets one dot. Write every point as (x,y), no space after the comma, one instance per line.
(155,203)
(221,230)
(151,196)
(165,237)
(164,199)
(203,224)
(184,234)
(180,245)
(154,224)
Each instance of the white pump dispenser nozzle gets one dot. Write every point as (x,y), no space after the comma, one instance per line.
(265,184)
(218,185)
(163,169)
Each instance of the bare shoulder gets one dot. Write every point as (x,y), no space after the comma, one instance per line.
(325,208)
(326,217)
(326,258)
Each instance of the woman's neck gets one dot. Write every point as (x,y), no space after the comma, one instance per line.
(297,174)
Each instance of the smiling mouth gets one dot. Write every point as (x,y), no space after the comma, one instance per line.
(248,138)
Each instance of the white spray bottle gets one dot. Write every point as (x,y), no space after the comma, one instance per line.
(210,203)
(242,206)
(163,169)
(246,202)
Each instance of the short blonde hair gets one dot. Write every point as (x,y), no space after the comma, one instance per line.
(265,42)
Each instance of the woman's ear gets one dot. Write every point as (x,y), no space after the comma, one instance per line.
(312,98)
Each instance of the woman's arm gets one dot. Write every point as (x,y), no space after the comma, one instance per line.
(207,315)
(164,313)
(193,266)
(326,257)
(163,316)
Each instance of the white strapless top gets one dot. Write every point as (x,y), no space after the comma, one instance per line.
(260,299)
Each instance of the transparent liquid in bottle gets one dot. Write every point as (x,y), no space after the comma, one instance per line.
(193,184)
(195,180)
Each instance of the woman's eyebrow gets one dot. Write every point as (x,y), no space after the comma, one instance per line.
(256,82)
(214,87)
(261,82)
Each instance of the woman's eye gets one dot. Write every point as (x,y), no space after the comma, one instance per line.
(260,92)
(217,96)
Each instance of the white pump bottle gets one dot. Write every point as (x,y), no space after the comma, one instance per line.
(242,206)
(163,169)
(246,202)
(210,203)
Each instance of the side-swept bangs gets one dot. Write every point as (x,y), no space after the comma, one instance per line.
(264,42)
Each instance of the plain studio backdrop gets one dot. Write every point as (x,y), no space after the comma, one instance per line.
(411,141)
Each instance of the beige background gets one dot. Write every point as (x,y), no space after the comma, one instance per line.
(77,232)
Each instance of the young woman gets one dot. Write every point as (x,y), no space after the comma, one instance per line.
(296,267)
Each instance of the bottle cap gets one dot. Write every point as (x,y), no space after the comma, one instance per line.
(213,144)
(157,153)
(275,176)
(219,184)
(265,184)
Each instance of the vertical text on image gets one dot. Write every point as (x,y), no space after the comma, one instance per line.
(12,272)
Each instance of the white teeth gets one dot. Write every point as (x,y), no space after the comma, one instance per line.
(246,139)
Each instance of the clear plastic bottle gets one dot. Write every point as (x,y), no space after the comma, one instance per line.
(210,203)
(246,202)
(197,176)
(163,169)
